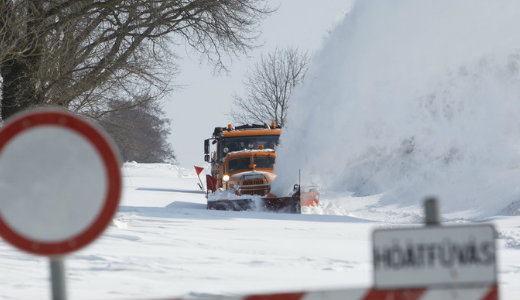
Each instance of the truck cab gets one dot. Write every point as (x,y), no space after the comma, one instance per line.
(243,157)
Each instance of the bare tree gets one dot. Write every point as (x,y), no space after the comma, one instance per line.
(79,54)
(141,132)
(269,87)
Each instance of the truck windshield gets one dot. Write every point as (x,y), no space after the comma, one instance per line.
(238,164)
(264,162)
(239,143)
(243,163)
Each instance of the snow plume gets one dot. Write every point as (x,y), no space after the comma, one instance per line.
(412,98)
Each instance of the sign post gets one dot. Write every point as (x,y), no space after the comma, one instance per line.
(58,283)
(431,212)
(60,182)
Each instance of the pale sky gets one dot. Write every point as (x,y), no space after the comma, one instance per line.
(205,99)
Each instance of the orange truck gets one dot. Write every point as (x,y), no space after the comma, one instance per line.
(242,166)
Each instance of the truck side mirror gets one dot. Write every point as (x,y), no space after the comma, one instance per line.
(206,158)
(206,146)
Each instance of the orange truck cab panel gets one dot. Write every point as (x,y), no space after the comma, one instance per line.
(250,172)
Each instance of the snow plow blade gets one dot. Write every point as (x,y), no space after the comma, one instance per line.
(276,204)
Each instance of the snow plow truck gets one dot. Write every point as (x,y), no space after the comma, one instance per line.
(242,169)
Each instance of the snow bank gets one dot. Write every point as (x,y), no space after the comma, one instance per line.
(413,98)
(156,169)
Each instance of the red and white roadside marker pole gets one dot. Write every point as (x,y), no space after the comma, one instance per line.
(487,292)
(66,170)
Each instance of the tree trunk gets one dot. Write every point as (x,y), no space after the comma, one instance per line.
(16,87)
(18,74)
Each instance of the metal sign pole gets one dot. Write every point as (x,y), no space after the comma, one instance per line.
(58,278)
(431,212)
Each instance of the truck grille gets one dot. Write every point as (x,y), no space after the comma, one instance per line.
(256,185)
(254,190)
(253,181)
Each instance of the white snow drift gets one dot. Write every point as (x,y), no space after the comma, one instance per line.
(163,243)
(413,98)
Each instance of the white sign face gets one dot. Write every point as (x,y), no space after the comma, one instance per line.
(60,182)
(434,256)
(53,183)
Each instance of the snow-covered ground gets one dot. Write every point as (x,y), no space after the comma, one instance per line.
(164,243)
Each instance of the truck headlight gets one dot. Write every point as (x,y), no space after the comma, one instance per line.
(225,178)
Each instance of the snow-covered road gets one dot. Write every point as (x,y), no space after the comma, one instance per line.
(164,243)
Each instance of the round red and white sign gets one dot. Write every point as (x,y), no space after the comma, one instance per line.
(60,182)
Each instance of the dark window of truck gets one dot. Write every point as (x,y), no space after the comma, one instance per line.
(264,162)
(238,164)
(239,143)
